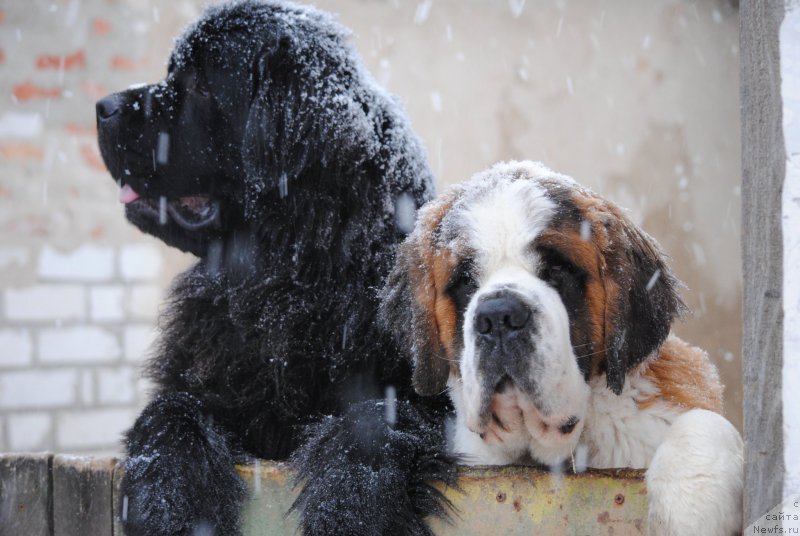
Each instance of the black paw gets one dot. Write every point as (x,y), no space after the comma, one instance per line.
(179,475)
(364,477)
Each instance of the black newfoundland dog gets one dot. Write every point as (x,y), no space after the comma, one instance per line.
(271,154)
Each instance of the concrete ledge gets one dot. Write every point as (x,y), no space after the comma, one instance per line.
(492,500)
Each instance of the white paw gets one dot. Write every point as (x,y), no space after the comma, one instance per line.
(695,479)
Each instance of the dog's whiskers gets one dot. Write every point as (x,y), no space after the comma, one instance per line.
(592,353)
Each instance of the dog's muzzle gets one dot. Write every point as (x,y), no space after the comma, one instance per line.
(519,372)
(503,326)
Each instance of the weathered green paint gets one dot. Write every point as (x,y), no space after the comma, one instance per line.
(491,500)
(271,496)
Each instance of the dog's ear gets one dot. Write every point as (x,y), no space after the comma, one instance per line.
(275,146)
(642,299)
(414,305)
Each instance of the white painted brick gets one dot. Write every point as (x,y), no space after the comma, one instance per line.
(13,255)
(114,450)
(86,390)
(107,303)
(144,390)
(92,428)
(86,263)
(29,431)
(116,386)
(21,125)
(15,347)
(46,302)
(143,301)
(137,341)
(139,262)
(81,344)
(38,388)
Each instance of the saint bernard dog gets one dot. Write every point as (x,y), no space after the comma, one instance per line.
(546,314)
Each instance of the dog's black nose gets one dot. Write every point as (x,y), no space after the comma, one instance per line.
(108,106)
(497,317)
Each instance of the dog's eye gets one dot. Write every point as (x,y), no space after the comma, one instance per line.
(461,280)
(557,270)
(194,85)
(461,287)
(199,89)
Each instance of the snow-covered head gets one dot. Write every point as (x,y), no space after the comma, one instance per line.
(519,286)
(261,99)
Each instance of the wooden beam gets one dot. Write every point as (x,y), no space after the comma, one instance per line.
(26,495)
(82,495)
(763,172)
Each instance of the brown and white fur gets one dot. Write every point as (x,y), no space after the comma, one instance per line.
(546,314)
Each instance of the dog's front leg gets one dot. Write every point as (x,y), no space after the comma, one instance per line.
(695,480)
(179,474)
(364,475)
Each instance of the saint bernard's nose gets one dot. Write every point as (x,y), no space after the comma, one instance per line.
(500,317)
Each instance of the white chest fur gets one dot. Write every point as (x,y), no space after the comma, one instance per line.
(620,433)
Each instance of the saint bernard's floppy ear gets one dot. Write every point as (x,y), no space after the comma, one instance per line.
(642,297)
(414,304)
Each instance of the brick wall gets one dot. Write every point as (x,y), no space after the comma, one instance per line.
(637,99)
(79,288)
(72,342)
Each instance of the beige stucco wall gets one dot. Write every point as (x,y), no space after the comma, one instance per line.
(637,99)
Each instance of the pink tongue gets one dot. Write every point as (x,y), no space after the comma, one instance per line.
(127,195)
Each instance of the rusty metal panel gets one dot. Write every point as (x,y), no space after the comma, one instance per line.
(522,500)
(491,500)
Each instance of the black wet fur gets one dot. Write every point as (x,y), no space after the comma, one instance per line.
(268,112)
(366,476)
(163,498)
